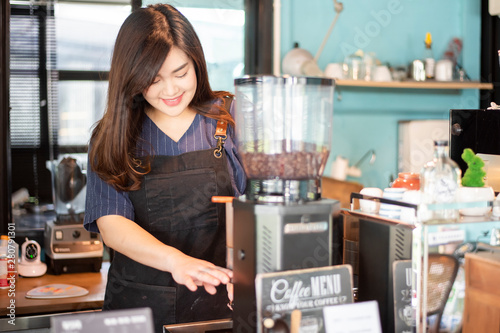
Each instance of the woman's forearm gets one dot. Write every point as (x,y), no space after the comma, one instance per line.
(128,238)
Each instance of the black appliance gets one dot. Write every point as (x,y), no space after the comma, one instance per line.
(68,246)
(381,243)
(477,129)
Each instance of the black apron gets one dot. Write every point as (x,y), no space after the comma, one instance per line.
(174,205)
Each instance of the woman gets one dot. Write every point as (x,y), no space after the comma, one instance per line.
(154,164)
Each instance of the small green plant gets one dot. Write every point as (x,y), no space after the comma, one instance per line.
(474,175)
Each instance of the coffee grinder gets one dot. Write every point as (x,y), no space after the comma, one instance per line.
(68,246)
(283,133)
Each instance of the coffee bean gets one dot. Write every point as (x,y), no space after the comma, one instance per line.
(287,165)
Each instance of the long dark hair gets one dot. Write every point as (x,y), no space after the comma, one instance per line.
(144,41)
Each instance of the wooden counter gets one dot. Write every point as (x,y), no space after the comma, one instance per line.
(482,292)
(95,283)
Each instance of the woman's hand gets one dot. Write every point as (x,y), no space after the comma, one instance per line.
(193,272)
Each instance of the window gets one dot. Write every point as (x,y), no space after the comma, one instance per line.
(32,95)
(85,35)
(60,54)
(31,59)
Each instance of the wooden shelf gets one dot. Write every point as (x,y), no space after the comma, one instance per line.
(415,84)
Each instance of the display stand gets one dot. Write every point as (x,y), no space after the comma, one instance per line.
(428,235)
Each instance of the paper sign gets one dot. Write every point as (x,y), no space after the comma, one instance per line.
(353,318)
(303,291)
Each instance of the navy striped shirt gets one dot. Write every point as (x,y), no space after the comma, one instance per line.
(102,199)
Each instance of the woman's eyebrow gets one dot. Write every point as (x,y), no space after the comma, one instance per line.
(179,68)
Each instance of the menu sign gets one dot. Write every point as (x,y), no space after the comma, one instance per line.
(404,314)
(303,291)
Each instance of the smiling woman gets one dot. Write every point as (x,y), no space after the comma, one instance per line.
(153,170)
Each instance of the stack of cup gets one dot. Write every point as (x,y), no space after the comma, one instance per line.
(409,214)
(389,210)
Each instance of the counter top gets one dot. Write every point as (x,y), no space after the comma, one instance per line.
(95,283)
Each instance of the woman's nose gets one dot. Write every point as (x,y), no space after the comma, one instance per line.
(169,88)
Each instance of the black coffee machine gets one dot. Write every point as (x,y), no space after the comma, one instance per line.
(283,132)
(68,246)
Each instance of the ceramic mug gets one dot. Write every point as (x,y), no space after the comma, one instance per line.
(334,70)
(339,168)
(370,206)
(382,74)
(444,70)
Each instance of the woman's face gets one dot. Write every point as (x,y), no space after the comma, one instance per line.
(174,86)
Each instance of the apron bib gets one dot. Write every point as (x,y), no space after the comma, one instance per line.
(174,205)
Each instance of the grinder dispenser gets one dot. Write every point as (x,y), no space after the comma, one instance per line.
(283,134)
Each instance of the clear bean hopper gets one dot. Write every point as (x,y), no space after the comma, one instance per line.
(284,131)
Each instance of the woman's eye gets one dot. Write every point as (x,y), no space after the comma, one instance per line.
(181,76)
(156,80)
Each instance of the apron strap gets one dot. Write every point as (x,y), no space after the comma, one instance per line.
(221,133)
(221,136)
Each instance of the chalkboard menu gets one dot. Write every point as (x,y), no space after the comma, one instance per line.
(297,297)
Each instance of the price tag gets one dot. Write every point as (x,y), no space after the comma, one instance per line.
(353,318)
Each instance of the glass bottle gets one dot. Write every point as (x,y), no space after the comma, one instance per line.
(354,66)
(439,182)
(429,61)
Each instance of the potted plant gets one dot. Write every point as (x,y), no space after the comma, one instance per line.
(473,186)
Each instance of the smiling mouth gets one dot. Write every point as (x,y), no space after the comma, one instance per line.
(173,101)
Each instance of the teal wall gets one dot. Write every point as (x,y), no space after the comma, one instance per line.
(367,118)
